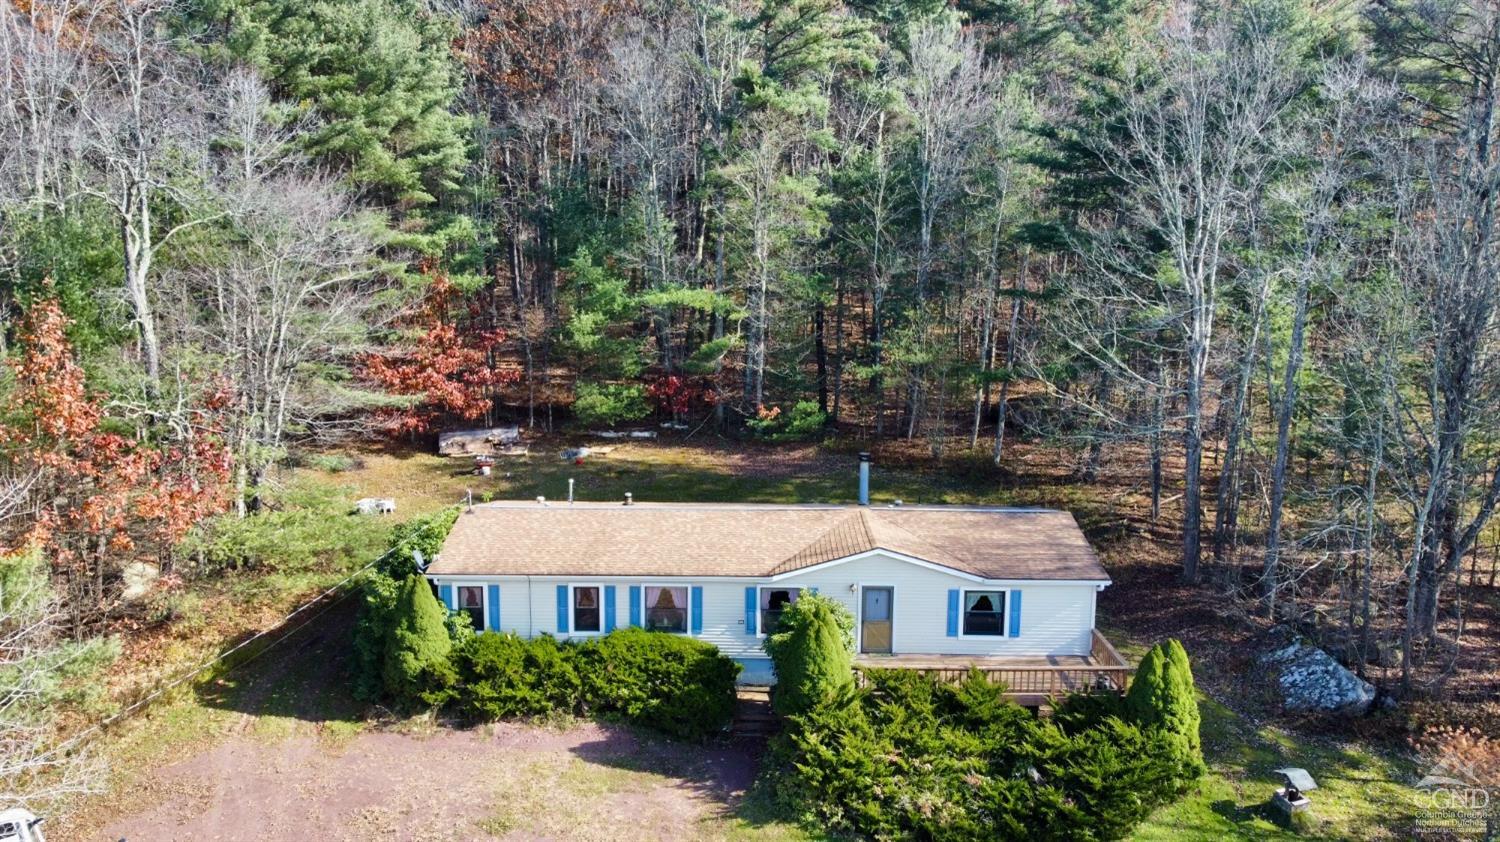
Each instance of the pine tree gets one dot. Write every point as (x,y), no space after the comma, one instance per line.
(379,75)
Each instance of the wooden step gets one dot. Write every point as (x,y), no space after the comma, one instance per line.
(753,717)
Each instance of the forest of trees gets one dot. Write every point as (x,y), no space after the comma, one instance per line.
(1246,251)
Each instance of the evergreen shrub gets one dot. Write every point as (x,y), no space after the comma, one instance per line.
(812,650)
(502,675)
(906,756)
(673,684)
(416,668)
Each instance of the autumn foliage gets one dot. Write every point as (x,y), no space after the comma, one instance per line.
(676,395)
(94,499)
(447,367)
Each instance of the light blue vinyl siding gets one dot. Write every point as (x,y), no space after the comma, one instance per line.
(1046,619)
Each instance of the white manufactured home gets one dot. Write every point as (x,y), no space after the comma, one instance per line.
(941,588)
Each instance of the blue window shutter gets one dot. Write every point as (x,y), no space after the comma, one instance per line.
(635,605)
(562,609)
(953,613)
(697,622)
(494,611)
(752,603)
(445,593)
(609,608)
(1015,613)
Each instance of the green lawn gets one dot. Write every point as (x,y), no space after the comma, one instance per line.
(1359,795)
(422,481)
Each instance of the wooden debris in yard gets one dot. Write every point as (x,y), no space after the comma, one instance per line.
(489,440)
(623,434)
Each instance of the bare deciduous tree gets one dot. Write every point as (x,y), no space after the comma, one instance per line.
(1200,111)
(287,297)
(950,93)
(142,144)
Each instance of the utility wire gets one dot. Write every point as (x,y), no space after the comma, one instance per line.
(186,676)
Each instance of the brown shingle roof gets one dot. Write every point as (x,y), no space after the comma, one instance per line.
(686,539)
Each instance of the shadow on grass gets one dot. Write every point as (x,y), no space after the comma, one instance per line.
(720,772)
(299,672)
(1241,814)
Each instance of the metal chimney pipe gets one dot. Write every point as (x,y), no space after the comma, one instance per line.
(629,498)
(864,478)
(570,491)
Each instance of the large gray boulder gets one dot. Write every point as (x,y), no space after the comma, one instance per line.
(1311,681)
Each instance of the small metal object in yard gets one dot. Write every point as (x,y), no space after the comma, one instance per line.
(1291,798)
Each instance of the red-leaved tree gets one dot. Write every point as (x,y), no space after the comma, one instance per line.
(97,500)
(447,368)
(676,395)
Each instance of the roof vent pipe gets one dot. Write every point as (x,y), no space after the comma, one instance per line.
(570,491)
(864,478)
(541,501)
(629,498)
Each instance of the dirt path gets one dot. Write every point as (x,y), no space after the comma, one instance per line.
(510,781)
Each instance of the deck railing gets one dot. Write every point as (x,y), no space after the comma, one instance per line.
(1106,672)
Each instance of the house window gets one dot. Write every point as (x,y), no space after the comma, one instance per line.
(471,602)
(984,613)
(772,602)
(586,608)
(667,609)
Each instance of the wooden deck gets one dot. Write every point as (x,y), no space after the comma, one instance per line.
(1030,681)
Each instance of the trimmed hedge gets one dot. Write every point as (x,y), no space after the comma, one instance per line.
(502,675)
(676,685)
